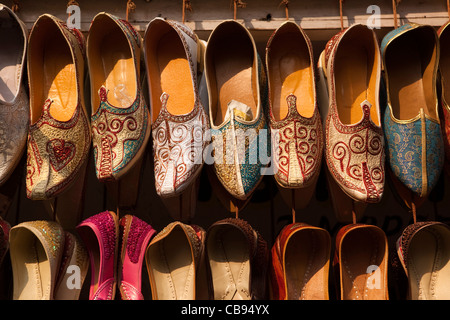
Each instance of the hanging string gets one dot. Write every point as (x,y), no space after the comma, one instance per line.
(448,8)
(286,5)
(16,6)
(130,8)
(414,211)
(186,6)
(394,10)
(341,14)
(293,206)
(238,4)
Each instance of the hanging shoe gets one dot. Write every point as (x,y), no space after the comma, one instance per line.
(237,258)
(120,118)
(361,263)
(173,259)
(444,73)
(59,135)
(100,235)
(135,236)
(237,95)
(354,142)
(73,269)
(14,103)
(424,252)
(294,118)
(411,122)
(36,249)
(179,121)
(300,263)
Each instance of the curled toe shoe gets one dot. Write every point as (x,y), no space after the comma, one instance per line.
(100,237)
(136,235)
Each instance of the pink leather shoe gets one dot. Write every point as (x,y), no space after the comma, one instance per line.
(100,236)
(136,235)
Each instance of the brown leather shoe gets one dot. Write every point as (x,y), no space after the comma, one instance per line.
(237,259)
(300,263)
(424,251)
(360,262)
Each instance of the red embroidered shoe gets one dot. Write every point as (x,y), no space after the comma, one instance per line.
(295,122)
(120,127)
(59,135)
(354,142)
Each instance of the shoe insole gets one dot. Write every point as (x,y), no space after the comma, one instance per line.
(233,72)
(362,252)
(175,75)
(405,71)
(429,266)
(305,258)
(60,83)
(10,61)
(290,73)
(119,72)
(172,267)
(228,255)
(32,277)
(355,82)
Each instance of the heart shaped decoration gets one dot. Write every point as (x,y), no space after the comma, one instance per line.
(60,153)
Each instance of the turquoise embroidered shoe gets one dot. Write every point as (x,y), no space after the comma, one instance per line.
(237,95)
(120,117)
(414,141)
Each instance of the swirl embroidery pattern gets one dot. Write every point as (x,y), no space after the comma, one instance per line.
(177,147)
(298,149)
(117,134)
(355,155)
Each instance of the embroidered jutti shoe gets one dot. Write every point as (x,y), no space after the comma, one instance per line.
(36,249)
(14,103)
(173,259)
(354,142)
(120,117)
(100,235)
(237,260)
(237,94)
(300,263)
(294,118)
(423,250)
(361,263)
(411,121)
(178,118)
(444,73)
(59,134)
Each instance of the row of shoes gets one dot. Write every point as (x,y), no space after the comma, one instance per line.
(222,85)
(229,261)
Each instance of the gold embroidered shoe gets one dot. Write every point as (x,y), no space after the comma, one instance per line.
(179,121)
(295,122)
(36,248)
(237,97)
(354,142)
(120,128)
(14,104)
(59,135)
(173,260)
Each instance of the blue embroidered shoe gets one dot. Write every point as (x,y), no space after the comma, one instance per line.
(236,85)
(414,141)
